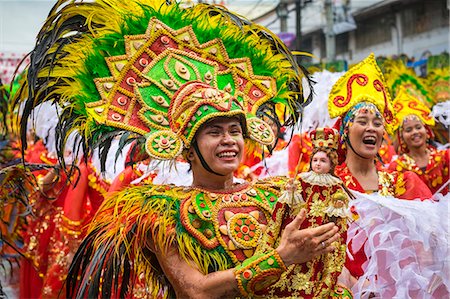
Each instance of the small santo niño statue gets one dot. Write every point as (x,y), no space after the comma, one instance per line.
(325,199)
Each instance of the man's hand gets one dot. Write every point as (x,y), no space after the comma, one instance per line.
(302,245)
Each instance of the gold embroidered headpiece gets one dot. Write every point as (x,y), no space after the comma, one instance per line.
(364,82)
(406,105)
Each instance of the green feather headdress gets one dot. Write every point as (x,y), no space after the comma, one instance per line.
(152,70)
(399,75)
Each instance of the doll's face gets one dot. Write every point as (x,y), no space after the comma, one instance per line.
(320,163)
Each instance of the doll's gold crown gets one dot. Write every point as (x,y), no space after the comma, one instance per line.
(325,138)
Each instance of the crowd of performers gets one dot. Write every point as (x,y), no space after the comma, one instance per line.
(152,150)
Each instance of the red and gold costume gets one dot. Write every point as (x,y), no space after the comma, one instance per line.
(436,172)
(46,205)
(324,199)
(300,150)
(55,228)
(317,278)
(81,202)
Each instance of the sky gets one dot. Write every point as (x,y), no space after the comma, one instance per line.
(20,20)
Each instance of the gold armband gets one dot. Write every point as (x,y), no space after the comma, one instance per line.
(260,271)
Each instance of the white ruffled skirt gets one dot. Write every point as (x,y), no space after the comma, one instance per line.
(407,247)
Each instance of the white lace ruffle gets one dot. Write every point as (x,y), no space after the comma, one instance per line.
(407,245)
(321,179)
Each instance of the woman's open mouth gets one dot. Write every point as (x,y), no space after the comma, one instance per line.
(369,140)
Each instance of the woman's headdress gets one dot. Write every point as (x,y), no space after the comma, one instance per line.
(406,106)
(363,83)
(156,70)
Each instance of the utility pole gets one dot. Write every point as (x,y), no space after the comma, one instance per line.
(298,24)
(330,41)
(283,13)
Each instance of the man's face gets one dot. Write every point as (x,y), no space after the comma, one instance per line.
(221,143)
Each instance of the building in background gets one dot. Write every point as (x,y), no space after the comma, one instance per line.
(415,28)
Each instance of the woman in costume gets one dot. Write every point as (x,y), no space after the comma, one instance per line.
(364,106)
(83,198)
(412,126)
(190,81)
(382,251)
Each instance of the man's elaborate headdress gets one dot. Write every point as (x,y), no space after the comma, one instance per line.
(154,71)
(406,105)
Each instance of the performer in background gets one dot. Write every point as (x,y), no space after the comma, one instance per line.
(379,245)
(364,106)
(413,127)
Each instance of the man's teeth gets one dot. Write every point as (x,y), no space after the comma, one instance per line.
(226,155)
